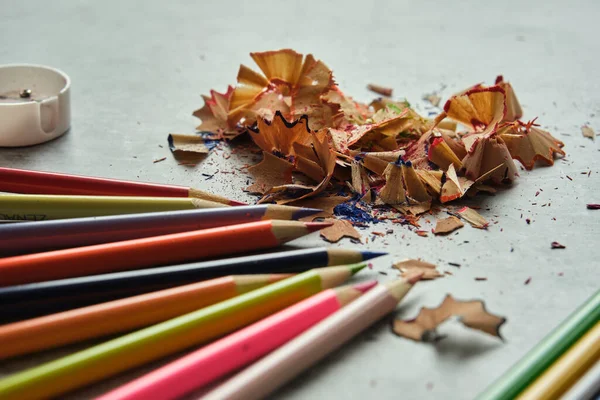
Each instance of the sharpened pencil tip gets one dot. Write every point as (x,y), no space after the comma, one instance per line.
(354,268)
(237,203)
(367,255)
(305,212)
(414,278)
(315,226)
(363,287)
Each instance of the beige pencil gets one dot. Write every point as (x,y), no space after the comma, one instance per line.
(283,364)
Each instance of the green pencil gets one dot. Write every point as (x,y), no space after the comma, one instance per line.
(524,372)
(37,207)
(120,354)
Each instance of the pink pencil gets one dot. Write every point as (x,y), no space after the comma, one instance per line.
(228,354)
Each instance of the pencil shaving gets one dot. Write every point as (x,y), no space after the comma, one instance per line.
(340,229)
(473,218)
(382,90)
(529,144)
(383,152)
(411,266)
(182,144)
(271,171)
(214,115)
(588,132)
(447,225)
(472,314)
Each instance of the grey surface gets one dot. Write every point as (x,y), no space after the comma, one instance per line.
(138,69)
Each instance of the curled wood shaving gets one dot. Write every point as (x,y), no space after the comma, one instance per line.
(447,225)
(479,107)
(529,144)
(213,115)
(340,229)
(513,107)
(279,136)
(290,83)
(411,266)
(271,171)
(472,314)
(488,152)
(360,180)
(473,217)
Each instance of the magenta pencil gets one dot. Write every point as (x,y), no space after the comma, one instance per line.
(228,354)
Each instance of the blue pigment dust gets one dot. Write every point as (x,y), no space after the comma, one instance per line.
(349,211)
(210,143)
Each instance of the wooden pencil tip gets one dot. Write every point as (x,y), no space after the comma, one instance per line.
(354,268)
(315,226)
(363,287)
(414,278)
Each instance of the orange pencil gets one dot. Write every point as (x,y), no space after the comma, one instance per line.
(152,251)
(125,314)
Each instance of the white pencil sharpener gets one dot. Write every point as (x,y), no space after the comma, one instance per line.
(34,104)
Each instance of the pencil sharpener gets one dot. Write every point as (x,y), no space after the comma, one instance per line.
(34,104)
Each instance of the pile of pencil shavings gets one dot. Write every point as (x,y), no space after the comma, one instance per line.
(315,137)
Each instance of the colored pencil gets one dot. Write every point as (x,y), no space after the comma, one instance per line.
(526,370)
(38,207)
(238,349)
(34,299)
(567,369)
(62,375)
(39,182)
(152,251)
(76,232)
(283,364)
(122,315)
(588,387)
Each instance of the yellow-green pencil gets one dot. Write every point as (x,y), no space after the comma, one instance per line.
(33,207)
(109,358)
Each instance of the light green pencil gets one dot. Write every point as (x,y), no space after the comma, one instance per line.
(34,207)
(109,358)
(534,363)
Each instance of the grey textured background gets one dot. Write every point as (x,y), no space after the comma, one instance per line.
(138,69)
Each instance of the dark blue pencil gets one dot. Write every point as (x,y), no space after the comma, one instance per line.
(34,299)
(24,238)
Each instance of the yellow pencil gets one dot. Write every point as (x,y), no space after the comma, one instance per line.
(567,369)
(33,207)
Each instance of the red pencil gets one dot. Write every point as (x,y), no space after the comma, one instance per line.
(38,182)
(152,251)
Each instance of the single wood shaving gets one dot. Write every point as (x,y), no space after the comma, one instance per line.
(473,217)
(447,225)
(415,209)
(382,90)
(433,98)
(410,266)
(340,229)
(271,171)
(472,314)
(187,144)
(588,132)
